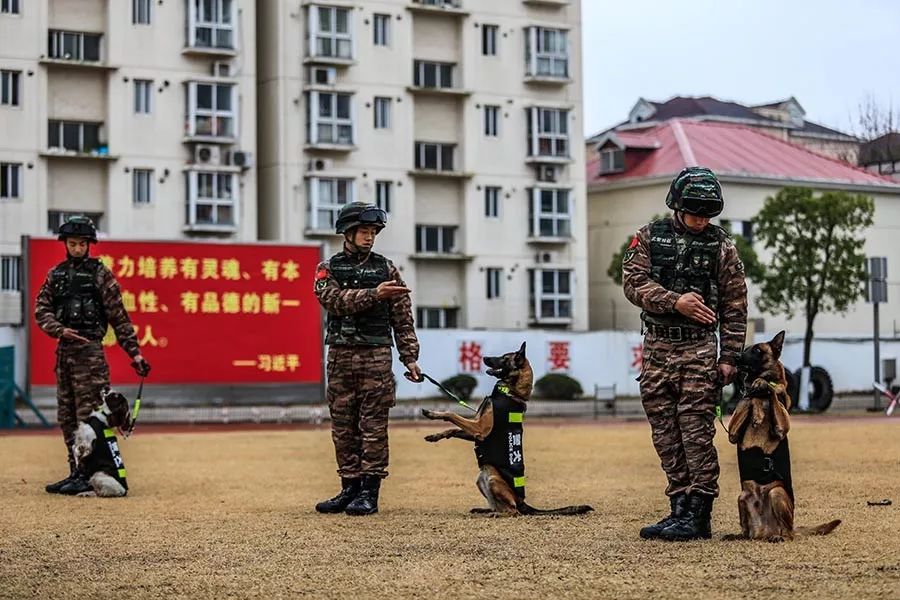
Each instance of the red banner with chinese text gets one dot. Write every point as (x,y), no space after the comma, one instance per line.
(203,313)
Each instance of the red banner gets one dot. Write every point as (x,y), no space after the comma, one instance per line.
(203,313)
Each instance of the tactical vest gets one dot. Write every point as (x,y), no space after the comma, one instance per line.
(370,327)
(754,465)
(684,263)
(77,302)
(105,455)
(502,448)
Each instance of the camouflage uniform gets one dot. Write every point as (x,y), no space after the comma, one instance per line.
(679,378)
(81,368)
(361,387)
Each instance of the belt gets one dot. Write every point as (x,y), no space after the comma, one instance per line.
(677,333)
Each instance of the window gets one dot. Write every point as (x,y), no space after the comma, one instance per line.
(741,228)
(10,181)
(142,186)
(9,274)
(434,157)
(493,282)
(551,294)
(9,7)
(491,201)
(211,24)
(436,238)
(329,118)
(382,113)
(383,190)
(491,121)
(326,198)
(547,52)
(75,136)
(382,29)
(10,83)
(55,218)
(143,94)
(432,74)
(612,160)
(212,109)
(489,35)
(436,318)
(551,213)
(74,45)
(212,198)
(330,32)
(548,132)
(140,12)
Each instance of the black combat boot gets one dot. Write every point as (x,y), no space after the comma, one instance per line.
(349,492)
(78,485)
(54,488)
(696,522)
(678,502)
(367,501)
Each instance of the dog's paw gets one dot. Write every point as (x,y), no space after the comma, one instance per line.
(428,414)
(434,437)
(733,537)
(775,539)
(481,511)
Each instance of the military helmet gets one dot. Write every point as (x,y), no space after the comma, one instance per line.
(78,226)
(355,214)
(696,191)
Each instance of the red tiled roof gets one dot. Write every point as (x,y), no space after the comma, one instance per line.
(728,149)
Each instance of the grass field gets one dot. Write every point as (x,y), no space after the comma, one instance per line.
(229,514)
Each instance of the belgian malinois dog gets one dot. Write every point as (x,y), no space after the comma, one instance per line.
(497,429)
(759,428)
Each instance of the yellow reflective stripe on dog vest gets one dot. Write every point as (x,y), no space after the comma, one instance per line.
(519,481)
(503,388)
(122,473)
(109,433)
(516,417)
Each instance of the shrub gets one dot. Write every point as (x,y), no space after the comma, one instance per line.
(461,385)
(558,386)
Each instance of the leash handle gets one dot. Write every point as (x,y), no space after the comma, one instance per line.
(447,392)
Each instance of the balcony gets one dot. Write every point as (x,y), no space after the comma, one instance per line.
(548,240)
(548,80)
(440,256)
(76,140)
(548,3)
(74,49)
(446,7)
(211,28)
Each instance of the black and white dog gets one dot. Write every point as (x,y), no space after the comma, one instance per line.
(96,447)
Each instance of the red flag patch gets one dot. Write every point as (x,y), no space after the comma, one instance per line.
(321,274)
(634,243)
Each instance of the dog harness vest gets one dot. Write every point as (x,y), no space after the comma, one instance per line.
(684,263)
(502,448)
(105,455)
(370,327)
(77,303)
(754,465)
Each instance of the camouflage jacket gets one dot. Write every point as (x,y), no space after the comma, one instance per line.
(644,292)
(339,302)
(116,314)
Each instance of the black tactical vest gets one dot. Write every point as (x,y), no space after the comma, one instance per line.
(77,302)
(684,263)
(105,455)
(370,327)
(753,465)
(502,448)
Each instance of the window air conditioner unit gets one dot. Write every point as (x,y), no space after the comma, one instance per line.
(320,164)
(321,75)
(239,158)
(543,257)
(221,68)
(547,173)
(207,154)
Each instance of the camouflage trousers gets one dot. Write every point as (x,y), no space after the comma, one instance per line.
(679,391)
(81,375)
(360,393)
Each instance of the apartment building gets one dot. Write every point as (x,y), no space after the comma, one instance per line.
(462,119)
(138,113)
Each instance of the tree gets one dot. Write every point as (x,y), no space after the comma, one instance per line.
(752,267)
(817,261)
(873,122)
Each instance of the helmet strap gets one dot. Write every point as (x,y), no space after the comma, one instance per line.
(348,242)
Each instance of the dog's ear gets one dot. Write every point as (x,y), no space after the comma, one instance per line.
(520,355)
(777,344)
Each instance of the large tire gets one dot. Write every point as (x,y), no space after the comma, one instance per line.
(821,389)
(793,388)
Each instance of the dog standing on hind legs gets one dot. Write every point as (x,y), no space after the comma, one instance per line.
(497,429)
(759,428)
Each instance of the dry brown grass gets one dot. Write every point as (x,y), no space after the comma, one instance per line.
(230,515)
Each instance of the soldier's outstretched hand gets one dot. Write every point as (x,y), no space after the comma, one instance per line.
(71,334)
(691,305)
(390,289)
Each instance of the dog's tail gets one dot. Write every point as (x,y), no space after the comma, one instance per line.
(564,511)
(823,529)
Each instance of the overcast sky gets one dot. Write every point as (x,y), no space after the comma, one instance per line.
(829,54)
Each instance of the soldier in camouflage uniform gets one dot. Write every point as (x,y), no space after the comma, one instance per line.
(366,299)
(686,276)
(78,300)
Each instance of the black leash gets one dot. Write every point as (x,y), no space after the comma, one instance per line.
(450,394)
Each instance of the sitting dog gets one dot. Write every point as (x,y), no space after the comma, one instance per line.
(759,427)
(497,431)
(96,448)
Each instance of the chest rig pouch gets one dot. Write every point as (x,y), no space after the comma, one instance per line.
(77,302)
(371,327)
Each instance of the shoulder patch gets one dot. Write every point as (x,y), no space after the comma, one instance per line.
(322,273)
(634,243)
